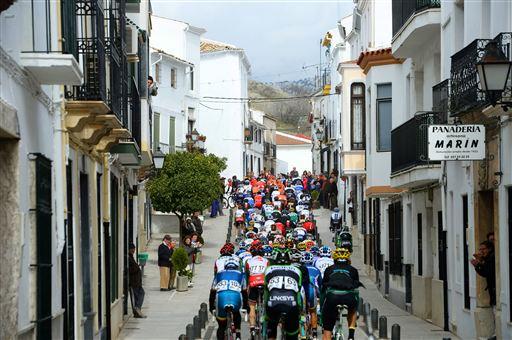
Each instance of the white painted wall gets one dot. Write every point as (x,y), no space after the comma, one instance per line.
(298,156)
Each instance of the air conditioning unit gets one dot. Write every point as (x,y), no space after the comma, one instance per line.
(131,40)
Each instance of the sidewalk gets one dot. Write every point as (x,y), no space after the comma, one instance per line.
(169,312)
(411,326)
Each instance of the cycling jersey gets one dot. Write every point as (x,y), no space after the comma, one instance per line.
(244,257)
(221,261)
(293,217)
(255,270)
(315,282)
(228,286)
(322,263)
(239,215)
(268,209)
(284,285)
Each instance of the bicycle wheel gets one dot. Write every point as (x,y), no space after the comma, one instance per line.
(225,203)
(231,202)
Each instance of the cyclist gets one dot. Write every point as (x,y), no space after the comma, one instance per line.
(340,287)
(239,217)
(255,271)
(284,284)
(315,282)
(226,291)
(324,261)
(335,220)
(226,253)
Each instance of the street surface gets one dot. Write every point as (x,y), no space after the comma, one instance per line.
(169,312)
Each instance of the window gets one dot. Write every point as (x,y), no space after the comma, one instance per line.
(156,131)
(172,134)
(114,239)
(384,108)
(191,78)
(420,245)
(358,116)
(190,126)
(174,80)
(157,73)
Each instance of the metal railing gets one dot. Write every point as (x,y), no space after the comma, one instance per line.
(274,150)
(441,96)
(402,10)
(135,112)
(409,141)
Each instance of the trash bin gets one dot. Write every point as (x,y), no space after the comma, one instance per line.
(143,258)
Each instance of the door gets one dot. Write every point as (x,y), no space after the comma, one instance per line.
(86,250)
(172,134)
(443,266)
(67,263)
(43,247)
(100,250)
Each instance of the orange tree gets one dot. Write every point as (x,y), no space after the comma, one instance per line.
(187,182)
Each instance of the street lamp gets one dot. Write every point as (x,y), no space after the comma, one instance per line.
(494,73)
(158,159)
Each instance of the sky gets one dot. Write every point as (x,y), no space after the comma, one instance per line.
(280,37)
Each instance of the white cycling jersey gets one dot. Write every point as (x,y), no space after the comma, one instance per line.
(322,263)
(221,261)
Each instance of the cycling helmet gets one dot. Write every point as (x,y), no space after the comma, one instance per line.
(256,249)
(315,251)
(250,234)
(307,257)
(242,245)
(301,246)
(227,249)
(246,182)
(240,251)
(336,209)
(267,251)
(309,244)
(325,251)
(248,242)
(290,244)
(295,255)
(341,254)
(281,256)
(232,264)
(259,219)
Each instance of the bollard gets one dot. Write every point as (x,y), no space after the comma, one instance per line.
(395,332)
(197,327)
(201,320)
(366,312)
(190,332)
(182,337)
(383,327)
(375,319)
(360,309)
(203,314)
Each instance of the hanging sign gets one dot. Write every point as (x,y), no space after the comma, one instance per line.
(456,142)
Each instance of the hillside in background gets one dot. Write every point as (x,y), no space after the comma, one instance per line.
(292,114)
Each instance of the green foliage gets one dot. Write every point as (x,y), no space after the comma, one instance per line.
(188,182)
(180,261)
(314,195)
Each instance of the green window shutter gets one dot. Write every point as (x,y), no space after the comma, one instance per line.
(172,135)
(156,131)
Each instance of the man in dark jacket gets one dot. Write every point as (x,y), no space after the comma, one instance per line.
(165,251)
(135,284)
(485,266)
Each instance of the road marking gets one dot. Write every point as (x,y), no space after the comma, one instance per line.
(172,295)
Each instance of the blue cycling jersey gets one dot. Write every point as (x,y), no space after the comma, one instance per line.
(229,285)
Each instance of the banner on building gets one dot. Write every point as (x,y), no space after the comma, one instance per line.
(456,142)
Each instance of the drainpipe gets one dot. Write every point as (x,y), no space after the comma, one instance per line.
(59,162)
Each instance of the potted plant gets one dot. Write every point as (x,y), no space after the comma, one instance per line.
(314,196)
(180,262)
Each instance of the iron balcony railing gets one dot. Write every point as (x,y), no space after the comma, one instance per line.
(135,112)
(142,67)
(441,96)
(466,94)
(274,150)
(267,149)
(409,141)
(91,53)
(402,10)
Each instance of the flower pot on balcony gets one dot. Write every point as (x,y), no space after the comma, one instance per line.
(182,283)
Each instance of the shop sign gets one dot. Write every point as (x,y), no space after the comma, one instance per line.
(456,142)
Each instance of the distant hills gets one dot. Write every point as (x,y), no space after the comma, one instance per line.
(292,115)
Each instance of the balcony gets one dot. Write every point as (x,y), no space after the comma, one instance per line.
(441,97)
(466,94)
(415,23)
(97,110)
(51,62)
(410,166)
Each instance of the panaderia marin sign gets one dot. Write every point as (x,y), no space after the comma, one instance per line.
(456,142)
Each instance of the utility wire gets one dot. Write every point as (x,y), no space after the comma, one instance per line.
(259,99)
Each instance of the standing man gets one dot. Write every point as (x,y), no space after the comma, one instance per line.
(294,173)
(485,266)
(165,251)
(135,284)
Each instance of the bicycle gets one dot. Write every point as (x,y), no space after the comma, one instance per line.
(228,202)
(337,333)
(230,324)
(305,329)
(260,315)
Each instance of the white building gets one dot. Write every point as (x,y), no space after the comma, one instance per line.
(293,151)
(175,68)
(224,74)
(254,158)
(74,129)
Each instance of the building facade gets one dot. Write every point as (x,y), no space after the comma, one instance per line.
(75,119)
(293,151)
(224,77)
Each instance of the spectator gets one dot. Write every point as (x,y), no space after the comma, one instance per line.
(152,87)
(187,245)
(165,251)
(294,173)
(135,283)
(190,228)
(197,243)
(485,266)
(221,195)
(490,237)
(332,190)
(198,224)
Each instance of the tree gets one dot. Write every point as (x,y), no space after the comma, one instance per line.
(187,182)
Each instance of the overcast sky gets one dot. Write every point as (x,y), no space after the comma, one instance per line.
(279,36)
